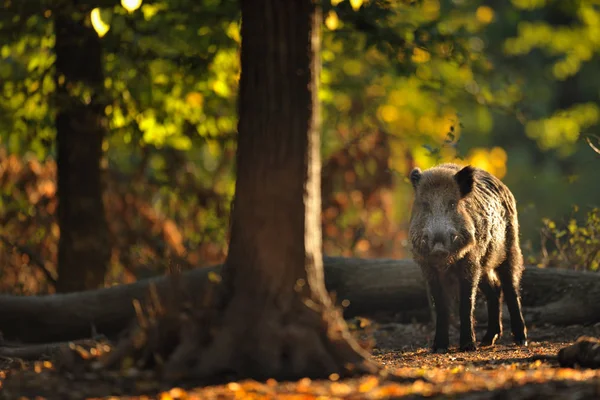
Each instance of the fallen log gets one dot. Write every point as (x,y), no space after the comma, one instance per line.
(370,287)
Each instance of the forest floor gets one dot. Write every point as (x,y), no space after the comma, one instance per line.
(501,372)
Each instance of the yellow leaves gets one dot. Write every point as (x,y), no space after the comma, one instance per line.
(100,26)
(498,157)
(576,43)
(118,119)
(493,160)
(430,9)
(342,102)
(327,55)
(332,21)
(160,79)
(214,277)
(204,30)
(157,132)
(194,99)
(529,4)
(465,74)
(387,113)
(424,72)
(220,88)
(355,4)
(420,55)
(150,10)
(398,97)
(484,14)
(395,112)
(353,67)
(225,73)
(5,52)
(426,124)
(564,127)
(589,15)
(530,35)
(233,31)
(565,68)
(131,5)
(375,90)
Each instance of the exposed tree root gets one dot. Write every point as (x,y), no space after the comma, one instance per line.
(182,343)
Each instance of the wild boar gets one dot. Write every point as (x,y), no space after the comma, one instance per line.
(464,227)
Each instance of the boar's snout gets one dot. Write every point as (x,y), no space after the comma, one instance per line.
(440,241)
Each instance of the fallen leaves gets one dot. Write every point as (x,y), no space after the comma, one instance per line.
(504,371)
(440,382)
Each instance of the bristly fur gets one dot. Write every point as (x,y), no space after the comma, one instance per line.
(474,215)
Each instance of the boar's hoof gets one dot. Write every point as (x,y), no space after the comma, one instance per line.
(489,339)
(468,347)
(521,342)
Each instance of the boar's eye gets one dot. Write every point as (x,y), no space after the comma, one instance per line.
(425,206)
(452,205)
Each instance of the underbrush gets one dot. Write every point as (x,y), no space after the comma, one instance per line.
(573,243)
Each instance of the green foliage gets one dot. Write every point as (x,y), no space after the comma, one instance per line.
(575,244)
(508,86)
(566,33)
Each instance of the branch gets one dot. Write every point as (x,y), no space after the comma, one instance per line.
(589,142)
(32,256)
(40,351)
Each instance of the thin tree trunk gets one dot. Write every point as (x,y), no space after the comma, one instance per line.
(83,251)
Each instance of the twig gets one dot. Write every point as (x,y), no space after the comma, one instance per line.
(39,351)
(32,256)
(589,142)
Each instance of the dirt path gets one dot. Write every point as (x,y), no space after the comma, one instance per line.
(501,372)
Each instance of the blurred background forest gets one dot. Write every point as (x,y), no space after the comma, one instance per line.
(148,90)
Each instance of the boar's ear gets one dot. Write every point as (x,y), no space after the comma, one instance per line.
(465,180)
(415,177)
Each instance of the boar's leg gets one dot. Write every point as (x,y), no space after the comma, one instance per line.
(442,314)
(491,288)
(468,282)
(509,273)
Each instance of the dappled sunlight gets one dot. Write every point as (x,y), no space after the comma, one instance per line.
(565,127)
(437,86)
(120,161)
(98,22)
(492,160)
(131,5)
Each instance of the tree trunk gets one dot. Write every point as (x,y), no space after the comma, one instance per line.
(83,250)
(372,287)
(277,318)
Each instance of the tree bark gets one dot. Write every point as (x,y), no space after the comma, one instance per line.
(277,319)
(83,250)
(372,287)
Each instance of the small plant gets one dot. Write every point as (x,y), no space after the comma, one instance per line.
(573,245)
